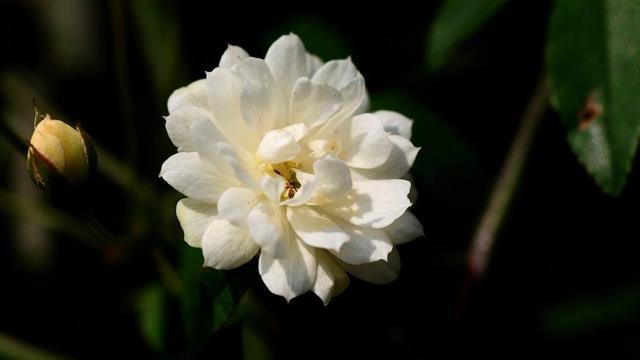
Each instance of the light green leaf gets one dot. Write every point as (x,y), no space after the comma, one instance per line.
(593,59)
(151,305)
(456,21)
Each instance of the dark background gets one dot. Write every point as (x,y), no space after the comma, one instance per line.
(564,276)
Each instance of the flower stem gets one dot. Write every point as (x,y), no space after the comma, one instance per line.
(12,348)
(506,184)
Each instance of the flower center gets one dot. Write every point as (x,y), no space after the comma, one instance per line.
(285,169)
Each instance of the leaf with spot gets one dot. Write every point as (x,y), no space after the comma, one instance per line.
(593,59)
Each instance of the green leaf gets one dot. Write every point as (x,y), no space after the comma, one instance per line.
(593,59)
(209,298)
(151,306)
(456,21)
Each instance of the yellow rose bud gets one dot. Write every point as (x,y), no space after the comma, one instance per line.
(58,152)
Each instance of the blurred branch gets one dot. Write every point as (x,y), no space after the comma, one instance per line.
(506,183)
(11,348)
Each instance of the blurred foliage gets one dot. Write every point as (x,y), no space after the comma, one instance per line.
(592,56)
(455,21)
(151,307)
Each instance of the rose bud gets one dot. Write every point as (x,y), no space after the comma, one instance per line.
(59,153)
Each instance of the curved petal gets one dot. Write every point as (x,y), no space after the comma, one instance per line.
(379,272)
(272,187)
(313,64)
(365,245)
(277,146)
(313,103)
(187,173)
(287,60)
(206,139)
(403,154)
(194,94)
(224,89)
(194,217)
(373,203)
(179,122)
(235,204)
(260,101)
(363,142)
(344,76)
(406,228)
(316,229)
(225,246)
(395,123)
(290,276)
(232,56)
(331,180)
(269,229)
(331,279)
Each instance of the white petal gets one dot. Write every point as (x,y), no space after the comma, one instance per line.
(343,75)
(313,103)
(272,187)
(331,180)
(406,228)
(239,161)
(194,94)
(379,272)
(287,60)
(331,279)
(261,101)
(179,122)
(373,203)
(225,246)
(313,64)
(206,140)
(269,229)
(277,146)
(364,143)
(187,173)
(232,56)
(395,123)
(365,245)
(298,131)
(235,204)
(224,89)
(403,154)
(290,276)
(194,217)
(364,106)
(316,229)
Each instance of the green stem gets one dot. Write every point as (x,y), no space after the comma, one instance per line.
(11,348)
(506,183)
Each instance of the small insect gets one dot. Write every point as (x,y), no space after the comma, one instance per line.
(590,112)
(289,190)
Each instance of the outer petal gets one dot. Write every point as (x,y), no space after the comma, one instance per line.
(315,229)
(331,279)
(313,103)
(187,173)
(194,94)
(313,64)
(374,203)
(366,245)
(225,246)
(232,56)
(290,276)
(343,75)
(179,122)
(287,60)
(395,123)
(194,218)
(224,89)
(206,140)
(235,204)
(402,156)
(364,143)
(404,229)
(277,146)
(379,272)
(268,228)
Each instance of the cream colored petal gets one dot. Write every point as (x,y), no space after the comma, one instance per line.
(235,204)
(194,217)
(287,59)
(395,123)
(331,279)
(194,94)
(269,228)
(232,56)
(365,245)
(225,246)
(277,146)
(364,143)
(379,272)
(313,103)
(316,229)
(406,228)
